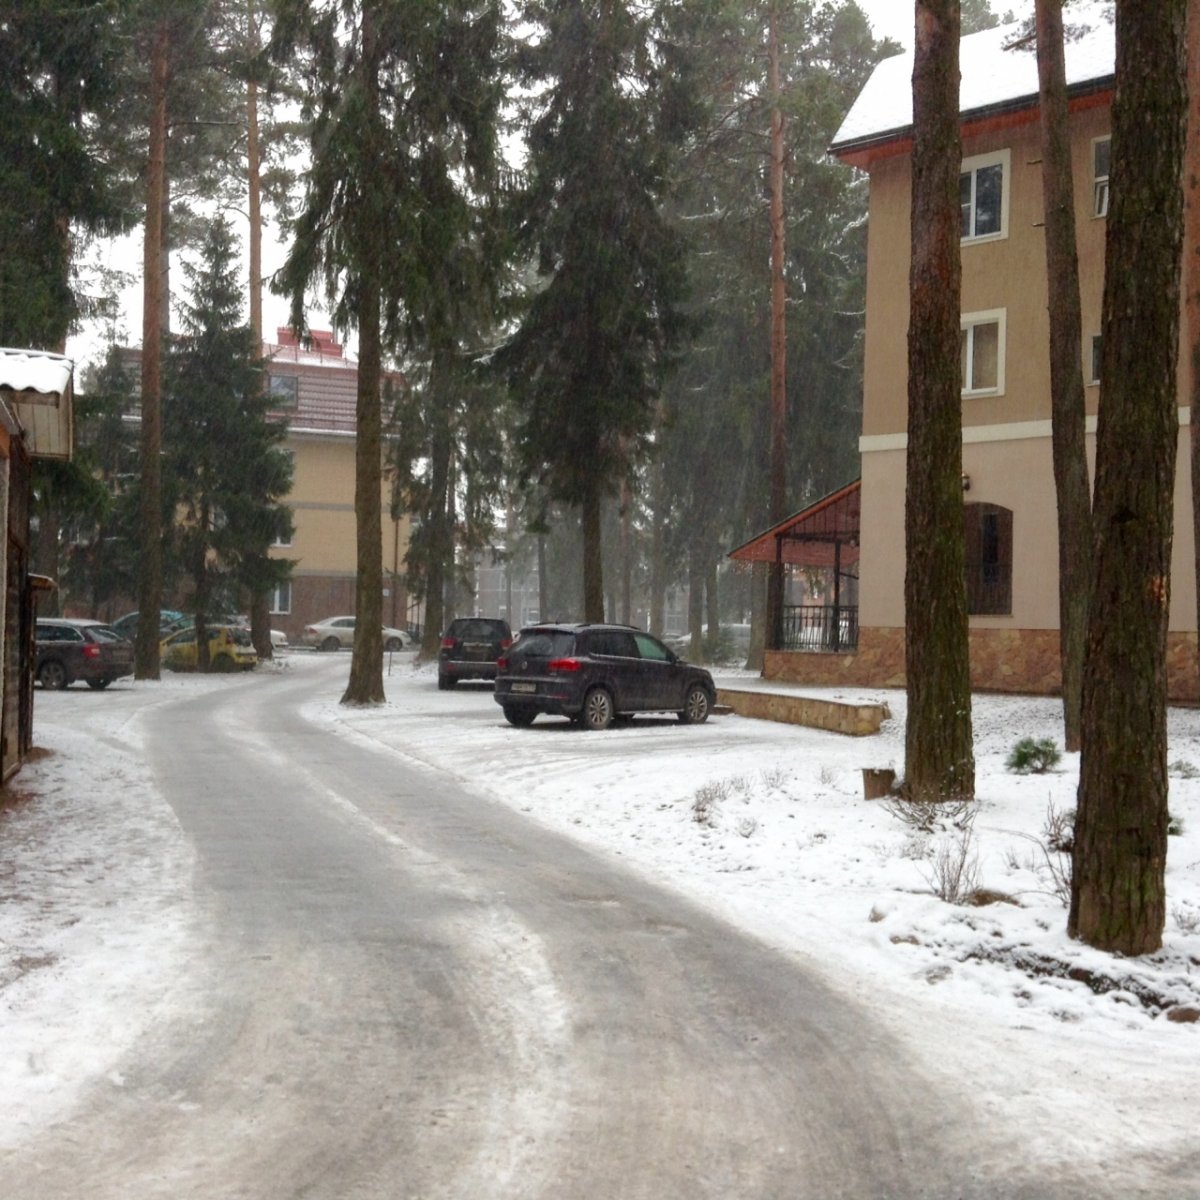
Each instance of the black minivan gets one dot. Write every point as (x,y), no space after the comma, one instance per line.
(592,673)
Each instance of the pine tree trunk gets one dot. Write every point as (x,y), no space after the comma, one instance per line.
(260,602)
(775,578)
(365,685)
(940,761)
(543,582)
(713,607)
(658,566)
(1066,367)
(254,189)
(1191,283)
(696,603)
(1118,898)
(440,548)
(146,663)
(593,564)
(626,517)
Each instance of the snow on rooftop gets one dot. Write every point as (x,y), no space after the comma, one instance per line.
(35,371)
(999,70)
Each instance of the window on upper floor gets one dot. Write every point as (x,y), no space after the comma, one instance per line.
(1094,365)
(284,390)
(989,559)
(1101,151)
(982,352)
(983,197)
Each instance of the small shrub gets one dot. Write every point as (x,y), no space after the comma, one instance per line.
(954,871)
(828,776)
(1174,825)
(747,827)
(1183,769)
(1187,918)
(1058,831)
(1033,756)
(706,799)
(926,816)
(773,777)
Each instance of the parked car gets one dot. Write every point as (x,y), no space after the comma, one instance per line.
(168,621)
(593,673)
(229,649)
(88,650)
(337,633)
(470,648)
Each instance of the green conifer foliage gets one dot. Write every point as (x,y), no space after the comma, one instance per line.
(226,471)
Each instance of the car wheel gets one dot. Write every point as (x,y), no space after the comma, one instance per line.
(99,684)
(53,675)
(445,682)
(330,643)
(519,715)
(695,705)
(597,709)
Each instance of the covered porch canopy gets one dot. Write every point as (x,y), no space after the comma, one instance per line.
(823,536)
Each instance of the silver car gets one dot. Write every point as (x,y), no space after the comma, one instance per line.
(337,633)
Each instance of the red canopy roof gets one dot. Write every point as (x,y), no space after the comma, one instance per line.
(816,536)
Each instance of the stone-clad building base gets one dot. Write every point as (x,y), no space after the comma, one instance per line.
(1024,661)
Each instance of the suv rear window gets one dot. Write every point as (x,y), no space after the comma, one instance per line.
(479,628)
(546,643)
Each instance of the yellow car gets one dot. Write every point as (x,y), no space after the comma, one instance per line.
(229,649)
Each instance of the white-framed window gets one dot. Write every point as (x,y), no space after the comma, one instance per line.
(1094,365)
(983,196)
(281,599)
(284,390)
(1101,153)
(982,352)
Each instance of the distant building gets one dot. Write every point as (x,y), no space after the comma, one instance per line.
(313,388)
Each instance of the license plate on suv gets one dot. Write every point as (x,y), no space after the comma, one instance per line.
(524,689)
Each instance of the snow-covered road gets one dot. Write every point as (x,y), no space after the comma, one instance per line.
(111,911)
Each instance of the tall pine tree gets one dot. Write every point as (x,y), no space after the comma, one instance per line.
(403,99)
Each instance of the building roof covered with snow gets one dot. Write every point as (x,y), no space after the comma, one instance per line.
(999,75)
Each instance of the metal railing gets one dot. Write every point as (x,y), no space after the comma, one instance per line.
(824,627)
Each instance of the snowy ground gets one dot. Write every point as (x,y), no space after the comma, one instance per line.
(765,824)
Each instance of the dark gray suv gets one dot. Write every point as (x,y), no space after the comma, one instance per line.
(592,673)
(470,647)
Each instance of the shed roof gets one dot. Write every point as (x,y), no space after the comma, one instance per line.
(38,386)
(999,73)
(817,536)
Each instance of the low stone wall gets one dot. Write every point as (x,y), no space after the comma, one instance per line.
(1023,661)
(856,720)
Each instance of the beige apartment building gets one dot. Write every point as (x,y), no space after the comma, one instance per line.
(1011,530)
(313,387)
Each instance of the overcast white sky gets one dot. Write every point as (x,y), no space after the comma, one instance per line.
(894,18)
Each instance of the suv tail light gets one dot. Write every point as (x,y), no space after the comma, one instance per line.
(563,664)
(448,643)
(505,643)
(91,651)
(502,663)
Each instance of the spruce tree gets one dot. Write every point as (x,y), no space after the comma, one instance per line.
(614,100)
(226,470)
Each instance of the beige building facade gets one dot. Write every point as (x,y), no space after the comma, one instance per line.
(313,388)
(1009,495)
